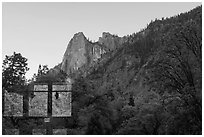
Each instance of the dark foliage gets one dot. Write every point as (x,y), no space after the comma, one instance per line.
(151,85)
(13,72)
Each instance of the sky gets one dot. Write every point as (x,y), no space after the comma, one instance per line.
(42,31)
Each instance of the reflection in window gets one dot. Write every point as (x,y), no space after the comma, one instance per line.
(40,87)
(66,87)
(38,104)
(39,132)
(61,104)
(59,131)
(11,131)
(13,104)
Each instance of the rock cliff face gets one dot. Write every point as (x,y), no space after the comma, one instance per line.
(80,53)
(75,54)
(111,42)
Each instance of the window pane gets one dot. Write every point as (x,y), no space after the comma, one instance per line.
(66,87)
(59,131)
(11,132)
(39,132)
(38,104)
(61,104)
(13,104)
(40,87)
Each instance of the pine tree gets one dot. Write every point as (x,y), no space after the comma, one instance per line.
(13,72)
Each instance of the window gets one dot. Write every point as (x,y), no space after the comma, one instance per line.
(11,131)
(13,104)
(38,104)
(61,104)
(59,131)
(39,132)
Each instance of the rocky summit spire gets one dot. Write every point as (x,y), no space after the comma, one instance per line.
(75,54)
(81,54)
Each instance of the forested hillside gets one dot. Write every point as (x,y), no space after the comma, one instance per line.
(150,85)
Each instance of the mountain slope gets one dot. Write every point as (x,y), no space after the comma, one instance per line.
(134,78)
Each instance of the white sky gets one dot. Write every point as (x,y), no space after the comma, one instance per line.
(41,31)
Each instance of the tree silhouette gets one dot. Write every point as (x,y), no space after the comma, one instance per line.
(13,72)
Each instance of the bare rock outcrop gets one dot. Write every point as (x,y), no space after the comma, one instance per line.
(80,53)
(111,42)
(75,54)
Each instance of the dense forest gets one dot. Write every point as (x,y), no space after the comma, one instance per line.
(151,85)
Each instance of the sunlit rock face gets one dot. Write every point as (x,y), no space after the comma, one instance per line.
(80,53)
(74,56)
(97,52)
(111,42)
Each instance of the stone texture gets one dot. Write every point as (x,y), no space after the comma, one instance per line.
(74,56)
(80,53)
(111,42)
